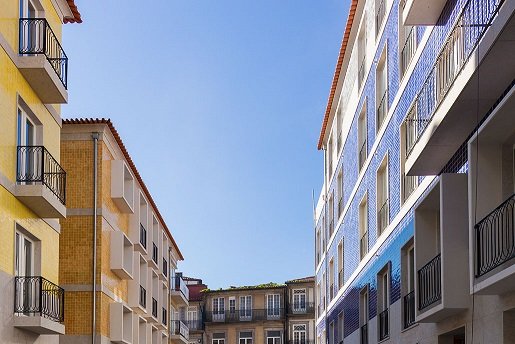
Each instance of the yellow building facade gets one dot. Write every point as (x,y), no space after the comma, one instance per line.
(33,84)
(129,248)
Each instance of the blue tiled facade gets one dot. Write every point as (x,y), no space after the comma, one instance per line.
(390,250)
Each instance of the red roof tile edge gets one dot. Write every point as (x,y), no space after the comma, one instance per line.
(131,164)
(343,48)
(76,14)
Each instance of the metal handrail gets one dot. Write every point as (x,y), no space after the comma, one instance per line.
(179,328)
(381,11)
(429,283)
(364,334)
(363,244)
(382,109)
(301,308)
(410,184)
(179,285)
(383,218)
(408,50)
(37,37)
(244,315)
(362,154)
(35,295)
(495,237)
(384,326)
(409,309)
(35,164)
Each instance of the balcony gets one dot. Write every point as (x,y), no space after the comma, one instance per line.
(441,249)
(179,291)
(301,341)
(38,305)
(180,331)
(422,12)
(408,50)
(363,245)
(362,154)
(41,182)
(408,308)
(363,334)
(195,325)
(381,11)
(409,185)
(121,321)
(382,110)
(42,60)
(462,84)
(383,216)
(245,315)
(121,255)
(301,308)
(384,325)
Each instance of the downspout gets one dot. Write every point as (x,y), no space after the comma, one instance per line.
(286,325)
(325,242)
(95,137)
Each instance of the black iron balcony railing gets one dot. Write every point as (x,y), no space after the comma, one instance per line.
(414,126)
(364,334)
(142,236)
(154,307)
(363,245)
(179,328)
(409,309)
(37,37)
(142,297)
(381,11)
(301,341)
(35,295)
(362,154)
(165,267)
(164,316)
(179,285)
(195,325)
(382,109)
(245,315)
(471,25)
(495,238)
(154,252)
(383,216)
(340,206)
(36,165)
(301,308)
(410,184)
(429,283)
(384,325)
(408,50)
(361,73)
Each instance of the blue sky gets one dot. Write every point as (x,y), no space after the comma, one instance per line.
(220,104)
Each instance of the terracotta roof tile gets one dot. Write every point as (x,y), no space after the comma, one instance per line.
(302,280)
(76,14)
(131,164)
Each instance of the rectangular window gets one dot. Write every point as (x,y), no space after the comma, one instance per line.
(363,227)
(330,158)
(218,338)
(218,308)
(362,48)
(383,204)
(232,305)
(339,122)
(331,279)
(273,309)
(299,334)
(246,307)
(246,337)
(273,337)
(340,193)
(331,214)
(24,255)
(382,88)
(363,315)
(380,14)
(340,265)
(331,333)
(362,136)
(383,301)
(299,300)
(340,327)
(318,239)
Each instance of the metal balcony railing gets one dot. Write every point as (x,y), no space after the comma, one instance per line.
(364,334)
(361,73)
(429,283)
(363,245)
(154,252)
(194,325)
(383,216)
(301,341)
(244,315)
(142,236)
(471,25)
(384,324)
(410,184)
(179,285)
(362,154)
(495,238)
(35,295)
(409,309)
(382,109)
(154,308)
(142,297)
(164,316)
(301,308)
(381,11)
(36,165)
(37,37)
(179,328)
(408,50)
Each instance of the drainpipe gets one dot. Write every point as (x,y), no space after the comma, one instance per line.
(326,241)
(95,137)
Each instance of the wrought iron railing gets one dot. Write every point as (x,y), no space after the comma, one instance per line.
(429,283)
(301,308)
(179,328)
(363,245)
(154,307)
(495,238)
(410,184)
(37,37)
(408,50)
(383,216)
(471,25)
(142,236)
(194,325)
(364,334)
(384,324)
(362,154)
(164,316)
(165,267)
(142,297)
(154,252)
(361,72)
(382,109)
(244,315)
(301,341)
(179,285)
(409,309)
(35,295)
(36,165)
(381,11)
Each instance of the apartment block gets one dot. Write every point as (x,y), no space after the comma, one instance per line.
(117,258)
(415,223)
(193,318)
(33,85)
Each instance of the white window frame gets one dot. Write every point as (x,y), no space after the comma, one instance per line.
(302,334)
(299,306)
(275,310)
(245,307)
